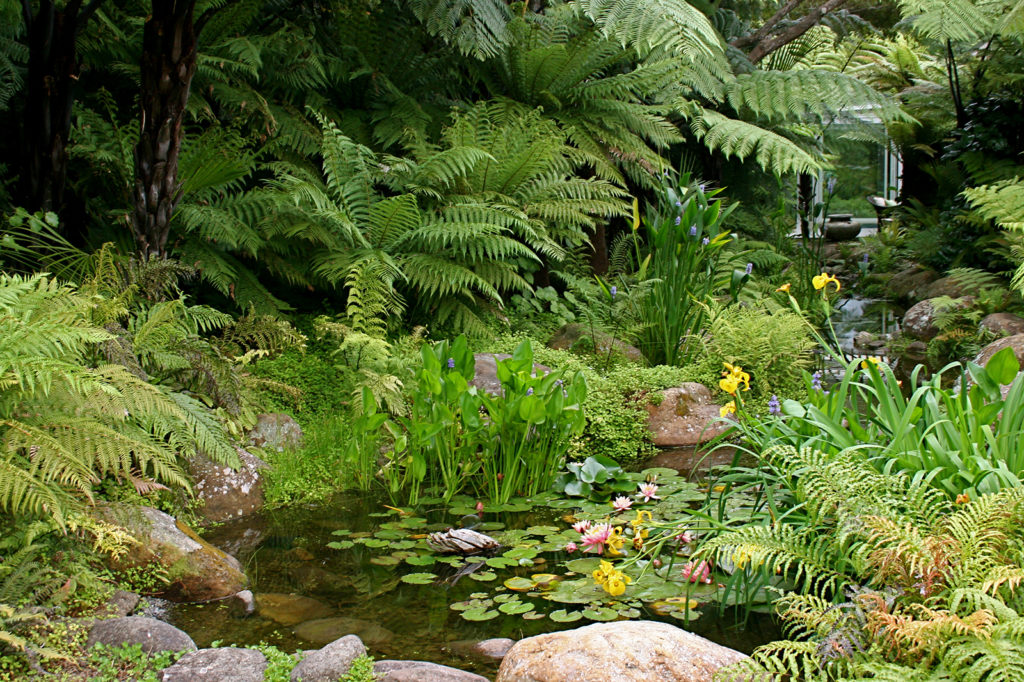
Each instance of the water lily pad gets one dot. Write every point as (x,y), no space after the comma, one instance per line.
(501,562)
(602,613)
(373,542)
(520,553)
(519,584)
(344,544)
(403,544)
(504,597)
(484,576)
(515,608)
(491,525)
(385,560)
(533,615)
(479,595)
(686,616)
(662,473)
(543,530)
(563,616)
(420,560)
(629,612)
(544,580)
(341,531)
(583,566)
(479,614)
(419,578)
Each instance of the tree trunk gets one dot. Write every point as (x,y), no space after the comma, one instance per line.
(168,64)
(52,71)
(599,249)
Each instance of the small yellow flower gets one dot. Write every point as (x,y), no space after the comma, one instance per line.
(963,498)
(729,384)
(872,360)
(733,376)
(603,571)
(823,280)
(616,585)
(615,542)
(784,288)
(728,408)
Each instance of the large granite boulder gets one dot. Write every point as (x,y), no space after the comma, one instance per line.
(624,651)
(485,373)
(685,417)
(1003,324)
(225,493)
(276,431)
(910,283)
(154,636)
(330,663)
(919,321)
(198,571)
(945,286)
(577,337)
(217,665)
(1016,342)
(421,671)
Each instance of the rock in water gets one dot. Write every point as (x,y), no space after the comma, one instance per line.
(291,609)
(326,630)
(462,541)
(329,663)
(153,635)
(625,651)
(198,570)
(217,665)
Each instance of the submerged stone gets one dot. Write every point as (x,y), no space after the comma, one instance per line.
(325,630)
(290,609)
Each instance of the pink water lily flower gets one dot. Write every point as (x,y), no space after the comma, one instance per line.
(570,547)
(596,538)
(581,527)
(699,573)
(649,491)
(685,537)
(622,503)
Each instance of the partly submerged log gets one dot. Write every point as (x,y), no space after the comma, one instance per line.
(462,541)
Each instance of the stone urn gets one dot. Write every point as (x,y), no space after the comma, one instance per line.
(841,227)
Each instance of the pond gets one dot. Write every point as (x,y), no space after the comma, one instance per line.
(337,568)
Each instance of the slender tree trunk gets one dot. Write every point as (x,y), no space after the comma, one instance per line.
(52,71)
(168,64)
(599,253)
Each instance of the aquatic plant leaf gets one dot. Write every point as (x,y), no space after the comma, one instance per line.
(629,613)
(685,616)
(389,534)
(344,544)
(501,562)
(544,580)
(403,544)
(341,531)
(372,542)
(533,615)
(563,616)
(419,578)
(519,584)
(521,553)
(514,608)
(386,560)
(504,597)
(587,565)
(479,614)
(543,530)
(601,613)
(662,473)
(484,576)
(480,595)
(491,525)
(421,560)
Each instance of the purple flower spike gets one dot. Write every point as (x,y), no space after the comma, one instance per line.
(451,363)
(831,185)
(614,290)
(773,405)
(678,220)
(529,391)
(750,268)
(705,241)
(816,381)
(693,230)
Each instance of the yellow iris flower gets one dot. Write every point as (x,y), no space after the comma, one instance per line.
(614,582)
(823,280)
(615,542)
(733,377)
(728,408)
(784,288)
(872,360)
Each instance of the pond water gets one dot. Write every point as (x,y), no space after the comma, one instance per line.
(854,315)
(286,552)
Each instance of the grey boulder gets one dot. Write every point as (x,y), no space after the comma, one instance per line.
(223,664)
(153,635)
(331,662)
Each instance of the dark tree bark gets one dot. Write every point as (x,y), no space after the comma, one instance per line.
(599,249)
(168,64)
(765,39)
(49,98)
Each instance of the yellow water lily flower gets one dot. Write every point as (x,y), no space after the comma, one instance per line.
(784,288)
(823,280)
(728,408)
(616,585)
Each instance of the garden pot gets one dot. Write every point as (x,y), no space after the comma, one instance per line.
(841,227)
